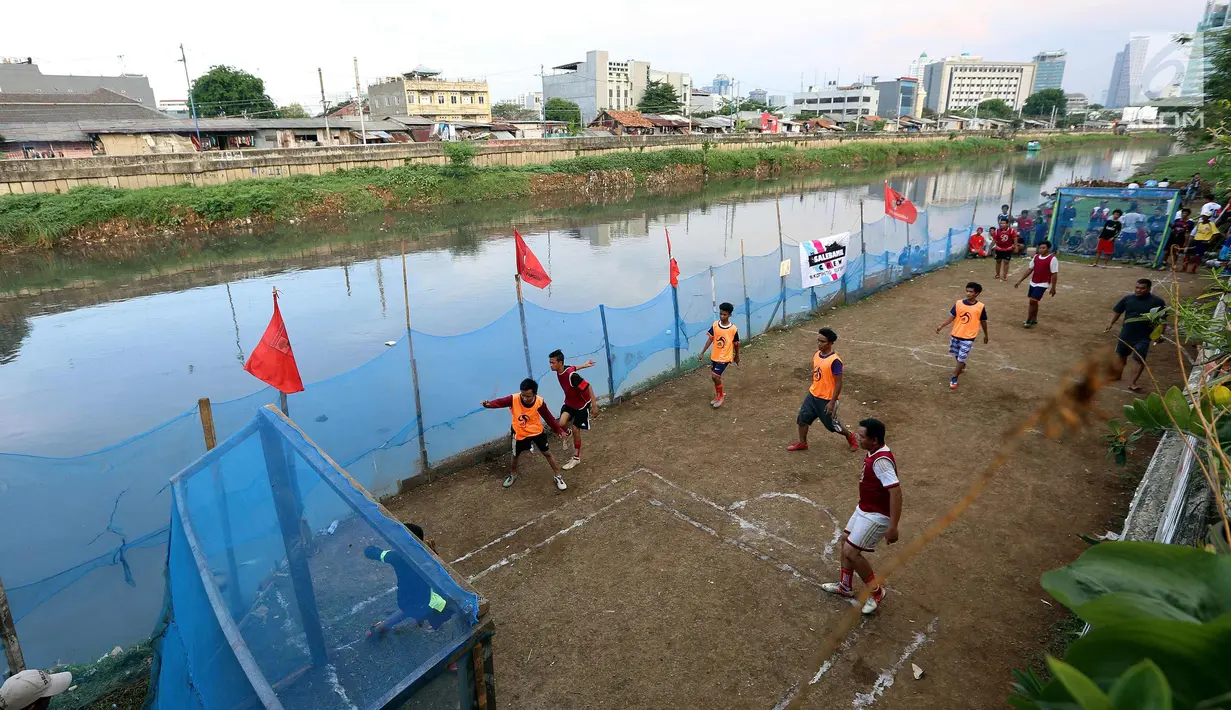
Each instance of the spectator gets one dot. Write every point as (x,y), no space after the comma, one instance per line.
(1210,208)
(1194,188)
(33,690)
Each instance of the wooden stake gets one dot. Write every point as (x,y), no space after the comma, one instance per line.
(414,370)
(8,636)
(480,679)
(211,440)
(781,257)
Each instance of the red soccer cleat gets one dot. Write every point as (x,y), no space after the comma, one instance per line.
(854,442)
(797,446)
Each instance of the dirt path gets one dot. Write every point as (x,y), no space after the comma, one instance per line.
(681,567)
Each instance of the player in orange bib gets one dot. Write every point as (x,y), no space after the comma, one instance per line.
(967,317)
(529,413)
(821,401)
(724,336)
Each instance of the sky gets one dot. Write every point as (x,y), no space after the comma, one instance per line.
(774,49)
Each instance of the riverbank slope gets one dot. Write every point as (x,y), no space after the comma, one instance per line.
(89,213)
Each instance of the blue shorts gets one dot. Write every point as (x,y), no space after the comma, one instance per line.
(718,367)
(1036,293)
(959,348)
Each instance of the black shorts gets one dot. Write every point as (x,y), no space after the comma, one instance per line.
(540,442)
(1125,349)
(579,417)
(1004,255)
(813,409)
(1197,248)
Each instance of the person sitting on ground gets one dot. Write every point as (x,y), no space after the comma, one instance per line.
(1165,182)
(978,245)
(33,690)
(417,600)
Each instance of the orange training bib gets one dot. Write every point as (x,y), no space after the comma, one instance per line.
(822,375)
(966,320)
(724,342)
(526,420)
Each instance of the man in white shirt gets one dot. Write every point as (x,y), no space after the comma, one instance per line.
(1210,208)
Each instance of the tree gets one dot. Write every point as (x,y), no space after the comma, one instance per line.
(511,111)
(995,108)
(1041,103)
(659,97)
(1095,107)
(293,111)
(226,91)
(562,110)
(728,107)
(928,113)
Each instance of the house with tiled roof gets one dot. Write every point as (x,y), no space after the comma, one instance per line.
(97,105)
(623,123)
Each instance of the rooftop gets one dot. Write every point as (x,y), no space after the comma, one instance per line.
(100,104)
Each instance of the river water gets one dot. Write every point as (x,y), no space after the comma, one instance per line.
(97,347)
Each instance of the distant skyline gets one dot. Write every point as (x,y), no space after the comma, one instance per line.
(284,43)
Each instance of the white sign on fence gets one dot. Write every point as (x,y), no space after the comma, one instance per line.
(823,261)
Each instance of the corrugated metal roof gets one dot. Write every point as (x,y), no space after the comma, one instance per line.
(52,132)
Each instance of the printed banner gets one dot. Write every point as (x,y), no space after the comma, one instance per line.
(823,261)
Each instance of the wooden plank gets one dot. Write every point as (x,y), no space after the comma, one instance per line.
(480,682)
(8,636)
(234,638)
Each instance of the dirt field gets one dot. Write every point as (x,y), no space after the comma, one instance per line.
(681,567)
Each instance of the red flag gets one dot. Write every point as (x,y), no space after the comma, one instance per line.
(898,207)
(528,266)
(273,361)
(675,268)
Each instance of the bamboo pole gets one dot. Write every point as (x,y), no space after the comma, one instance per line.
(211,440)
(414,369)
(781,257)
(744,277)
(8,636)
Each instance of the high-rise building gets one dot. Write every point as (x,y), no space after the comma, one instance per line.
(422,92)
(965,81)
(1215,20)
(598,83)
(777,100)
(721,86)
(916,66)
(899,97)
(1125,87)
(1050,71)
(760,95)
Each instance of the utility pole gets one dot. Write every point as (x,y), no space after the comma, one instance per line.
(191,102)
(363,128)
(324,108)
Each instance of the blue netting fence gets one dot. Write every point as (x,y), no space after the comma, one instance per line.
(83,540)
(277,563)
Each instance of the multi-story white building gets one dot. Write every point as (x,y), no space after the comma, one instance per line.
(965,81)
(705,101)
(839,104)
(917,65)
(778,100)
(598,83)
(1076,103)
(1126,72)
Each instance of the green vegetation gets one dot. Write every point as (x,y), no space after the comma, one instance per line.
(660,97)
(293,111)
(226,91)
(562,110)
(511,111)
(112,681)
(44,219)
(1041,103)
(1181,168)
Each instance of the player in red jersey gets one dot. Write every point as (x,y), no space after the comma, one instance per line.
(876,517)
(1004,241)
(579,402)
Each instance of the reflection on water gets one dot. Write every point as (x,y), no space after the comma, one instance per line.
(97,347)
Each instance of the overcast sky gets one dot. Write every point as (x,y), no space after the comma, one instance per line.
(774,46)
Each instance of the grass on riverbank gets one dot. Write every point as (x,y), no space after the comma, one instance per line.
(44,219)
(1181,168)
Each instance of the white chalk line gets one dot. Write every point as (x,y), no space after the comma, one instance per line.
(827,552)
(743,523)
(331,677)
(825,667)
(885,680)
(541,518)
(782,566)
(505,562)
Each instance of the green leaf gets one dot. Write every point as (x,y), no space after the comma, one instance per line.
(1084,691)
(1179,408)
(1143,687)
(1156,411)
(1193,657)
(1143,580)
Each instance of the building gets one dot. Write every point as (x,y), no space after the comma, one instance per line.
(705,102)
(97,105)
(23,76)
(917,65)
(175,108)
(1215,20)
(422,92)
(722,86)
(777,100)
(899,97)
(349,108)
(623,123)
(965,81)
(598,84)
(1076,103)
(532,101)
(759,95)
(1050,71)
(840,104)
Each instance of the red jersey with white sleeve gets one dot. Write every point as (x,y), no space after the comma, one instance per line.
(577,392)
(880,473)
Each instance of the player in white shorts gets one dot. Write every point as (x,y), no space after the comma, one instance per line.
(876,517)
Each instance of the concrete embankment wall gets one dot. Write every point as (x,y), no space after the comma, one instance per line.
(214,168)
